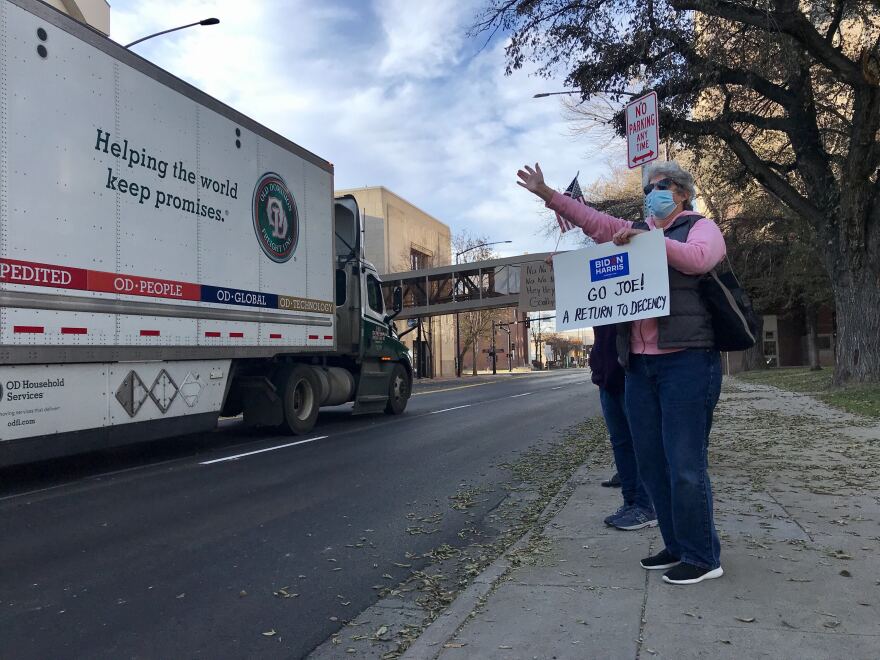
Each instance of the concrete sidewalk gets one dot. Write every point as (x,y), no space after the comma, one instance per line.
(797,500)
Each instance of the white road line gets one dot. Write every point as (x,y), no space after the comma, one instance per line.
(523,394)
(260,451)
(435,412)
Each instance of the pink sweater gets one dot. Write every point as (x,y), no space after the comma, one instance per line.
(703,251)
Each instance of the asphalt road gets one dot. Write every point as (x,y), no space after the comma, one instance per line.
(175,549)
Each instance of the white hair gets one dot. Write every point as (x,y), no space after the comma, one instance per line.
(669,169)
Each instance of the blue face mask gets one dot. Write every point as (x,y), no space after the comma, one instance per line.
(660,204)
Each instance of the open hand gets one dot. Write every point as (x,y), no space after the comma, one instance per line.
(622,236)
(531,179)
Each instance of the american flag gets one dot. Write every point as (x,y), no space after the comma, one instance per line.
(573,191)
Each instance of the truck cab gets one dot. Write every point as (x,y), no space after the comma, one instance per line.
(365,326)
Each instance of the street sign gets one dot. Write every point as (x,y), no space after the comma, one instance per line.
(642,131)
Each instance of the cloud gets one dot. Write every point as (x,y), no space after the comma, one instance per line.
(423,39)
(392,93)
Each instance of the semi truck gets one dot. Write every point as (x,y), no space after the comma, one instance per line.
(166,260)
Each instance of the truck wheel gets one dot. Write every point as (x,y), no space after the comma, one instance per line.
(300,400)
(399,389)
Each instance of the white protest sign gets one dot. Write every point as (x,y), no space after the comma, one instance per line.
(536,287)
(612,283)
(642,130)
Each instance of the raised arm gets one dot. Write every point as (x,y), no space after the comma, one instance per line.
(595,224)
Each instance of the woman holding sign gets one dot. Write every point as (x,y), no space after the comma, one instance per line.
(673,371)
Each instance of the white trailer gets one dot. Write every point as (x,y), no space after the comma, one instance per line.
(165,259)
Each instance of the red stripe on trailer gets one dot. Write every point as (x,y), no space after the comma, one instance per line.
(328,336)
(236,335)
(29,329)
(212,334)
(274,335)
(313,336)
(74,331)
(135,285)
(13,271)
(149,333)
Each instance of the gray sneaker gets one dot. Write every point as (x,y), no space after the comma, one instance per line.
(609,520)
(635,518)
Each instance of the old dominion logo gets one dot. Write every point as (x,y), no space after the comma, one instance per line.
(276,221)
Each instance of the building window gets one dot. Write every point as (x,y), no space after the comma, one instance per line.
(823,342)
(419,259)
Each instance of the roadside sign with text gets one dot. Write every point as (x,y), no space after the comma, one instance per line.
(642,131)
(611,283)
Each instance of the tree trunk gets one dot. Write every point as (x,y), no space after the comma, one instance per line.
(857,345)
(810,314)
(753,358)
(474,354)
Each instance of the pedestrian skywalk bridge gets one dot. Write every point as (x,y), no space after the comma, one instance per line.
(465,287)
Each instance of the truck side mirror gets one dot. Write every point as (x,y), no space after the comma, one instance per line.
(397,299)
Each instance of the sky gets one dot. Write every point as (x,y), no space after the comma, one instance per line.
(393,93)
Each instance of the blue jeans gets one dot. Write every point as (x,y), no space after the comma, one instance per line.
(631,486)
(670,399)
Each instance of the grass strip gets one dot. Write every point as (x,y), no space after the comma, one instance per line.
(862,399)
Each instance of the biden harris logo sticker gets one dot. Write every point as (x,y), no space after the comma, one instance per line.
(605,268)
(276,220)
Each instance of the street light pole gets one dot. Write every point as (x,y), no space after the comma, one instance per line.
(506,328)
(494,361)
(454,288)
(206,21)
(542,95)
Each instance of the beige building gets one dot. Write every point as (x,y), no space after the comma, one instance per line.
(399,236)
(95,13)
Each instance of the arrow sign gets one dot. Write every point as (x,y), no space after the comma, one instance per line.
(642,130)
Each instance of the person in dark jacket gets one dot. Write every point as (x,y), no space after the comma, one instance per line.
(637,511)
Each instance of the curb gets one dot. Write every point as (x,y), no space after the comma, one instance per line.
(429,644)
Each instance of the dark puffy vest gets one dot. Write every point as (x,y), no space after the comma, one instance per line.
(689,324)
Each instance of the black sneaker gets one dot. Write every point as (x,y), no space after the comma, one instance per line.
(660,561)
(613,482)
(690,574)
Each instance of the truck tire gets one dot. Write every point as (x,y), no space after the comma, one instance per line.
(300,400)
(399,389)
